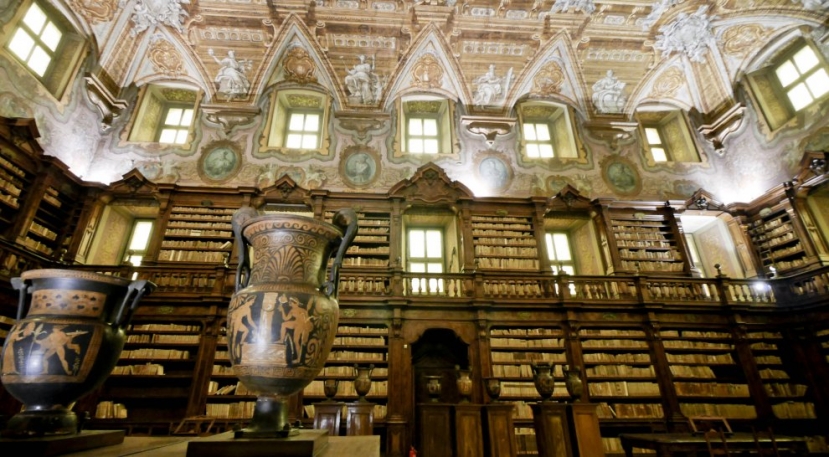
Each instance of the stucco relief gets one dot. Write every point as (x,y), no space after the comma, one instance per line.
(668,83)
(548,80)
(164,57)
(742,38)
(585,6)
(427,73)
(689,34)
(151,13)
(299,66)
(95,11)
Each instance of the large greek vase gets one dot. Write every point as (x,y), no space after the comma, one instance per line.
(67,339)
(282,319)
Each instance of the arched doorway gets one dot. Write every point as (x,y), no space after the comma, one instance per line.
(436,353)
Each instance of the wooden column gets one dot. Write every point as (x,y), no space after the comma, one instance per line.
(499,430)
(469,435)
(435,429)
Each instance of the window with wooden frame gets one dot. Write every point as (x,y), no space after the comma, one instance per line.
(45,43)
(666,137)
(297,123)
(303,130)
(165,115)
(791,79)
(175,124)
(546,132)
(139,239)
(425,126)
(425,254)
(560,252)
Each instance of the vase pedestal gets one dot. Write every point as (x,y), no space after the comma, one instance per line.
(435,429)
(567,430)
(499,430)
(307,443)
(469,439)
(61,444)
(359,418)
(328,416)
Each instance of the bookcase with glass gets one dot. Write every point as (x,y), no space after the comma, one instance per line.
(154,375)
(198,234)
(706,373)
(645,241)
(360,345)
(782,379)
(512,352)
(505,242)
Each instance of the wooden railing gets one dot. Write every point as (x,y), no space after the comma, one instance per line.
(194,281)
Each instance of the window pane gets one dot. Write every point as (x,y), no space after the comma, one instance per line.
(181,136)
(21,45)
(136,260)
(818,83)
(415,127)
(294,141)
(546,150)
(653,136)
(562,246)
(799,96)
(186,118)
(296,122)
(434,268)
(417,240)
(140,235)
(430,127)
(173,116)
(659,155)
(570,271)
(543,132)
(35,18)
(51,36)
(415,146)
(309,141)
(787,73)
(312,122)
(551,249)
(434,244)
(805,59)
(168,136)
(417,267)
(529,132)
(430,146)
(39,61)
(532,150)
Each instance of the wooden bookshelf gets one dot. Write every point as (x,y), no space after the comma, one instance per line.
(645,241)
(14,181)
(6,324)
(371,244)
(775,240)
(505,242)
(197,234)
(783,384)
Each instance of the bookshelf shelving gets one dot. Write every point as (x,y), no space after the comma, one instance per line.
(505,242)
(646,241)
(775,240)
(197,234)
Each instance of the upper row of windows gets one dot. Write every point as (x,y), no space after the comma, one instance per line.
(800,79)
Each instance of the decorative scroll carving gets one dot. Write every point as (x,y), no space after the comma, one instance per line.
(427,73)
(164,57)
(548,80)
(740,39)
(299,67)
(95,11)
(668,83)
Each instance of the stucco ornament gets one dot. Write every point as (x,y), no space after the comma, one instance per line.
(491,88)
(164,57)
(231,79)
(299,66)
(657,10)
(690,34)
(813,5)
(585,6)
(668,83)
(95,11)
(364,85)
(150,13)
(607,94)
(548,80)
(427,73)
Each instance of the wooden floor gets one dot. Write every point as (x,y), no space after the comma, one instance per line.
(338,446)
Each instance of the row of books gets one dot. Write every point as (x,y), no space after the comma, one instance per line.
(524,331)
(352,329)
(203,210)
(785,390)
(629,411)
(191,256)
(623,389)
(229,389)
(686,344)
(172,231)
(602,357)
(498,241)
(43,231)
(515,264)
(528,357)
(148,353)
(365,262)
(378,388)
(163,338)
(371,238)
(149,369)
(509,234)
(527,343)
(165,328)
(379,412)
(643,244)
(764,346)
(506,250)
(238,410)
(721,410)
(770,373)
(341,370)
(611,332)
(634,344)
(645,254)
(794,410)
(360,340)
(521,371)
(711,389)
(693,371)
(768,360)
(693,334)
(620,370)
(354,355)
(504,219)
(357,249)
(710,359)
(195,244)
(483,225)
(110,410)
(201,225)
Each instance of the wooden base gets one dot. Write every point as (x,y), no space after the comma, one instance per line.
(499,430)
(359,419)
(56,445)
(308,443)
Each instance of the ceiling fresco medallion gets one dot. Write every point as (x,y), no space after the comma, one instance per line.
(360,166)
(493,172)
(621,176)
(548,80)
(220,161)
(164,58)
(427,73)
(299,66)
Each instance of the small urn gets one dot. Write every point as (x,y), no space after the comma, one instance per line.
(543,379)
(493,388)
(362,382)
(433,387)
(464,383)
(573,383)
(329,388)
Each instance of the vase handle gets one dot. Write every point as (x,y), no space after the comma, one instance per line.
(20,284)
(345,220)
(240,217)
(139,288)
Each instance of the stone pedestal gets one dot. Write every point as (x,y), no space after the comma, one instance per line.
(328,416)
(499,430)
(360,418)
(62,444)
(567,430)
(435,429)
(308,443)
(469,439)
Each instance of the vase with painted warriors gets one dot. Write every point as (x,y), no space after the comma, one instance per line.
(282,319)
(464,383)
(67,338)
(543,379)
(362,381)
